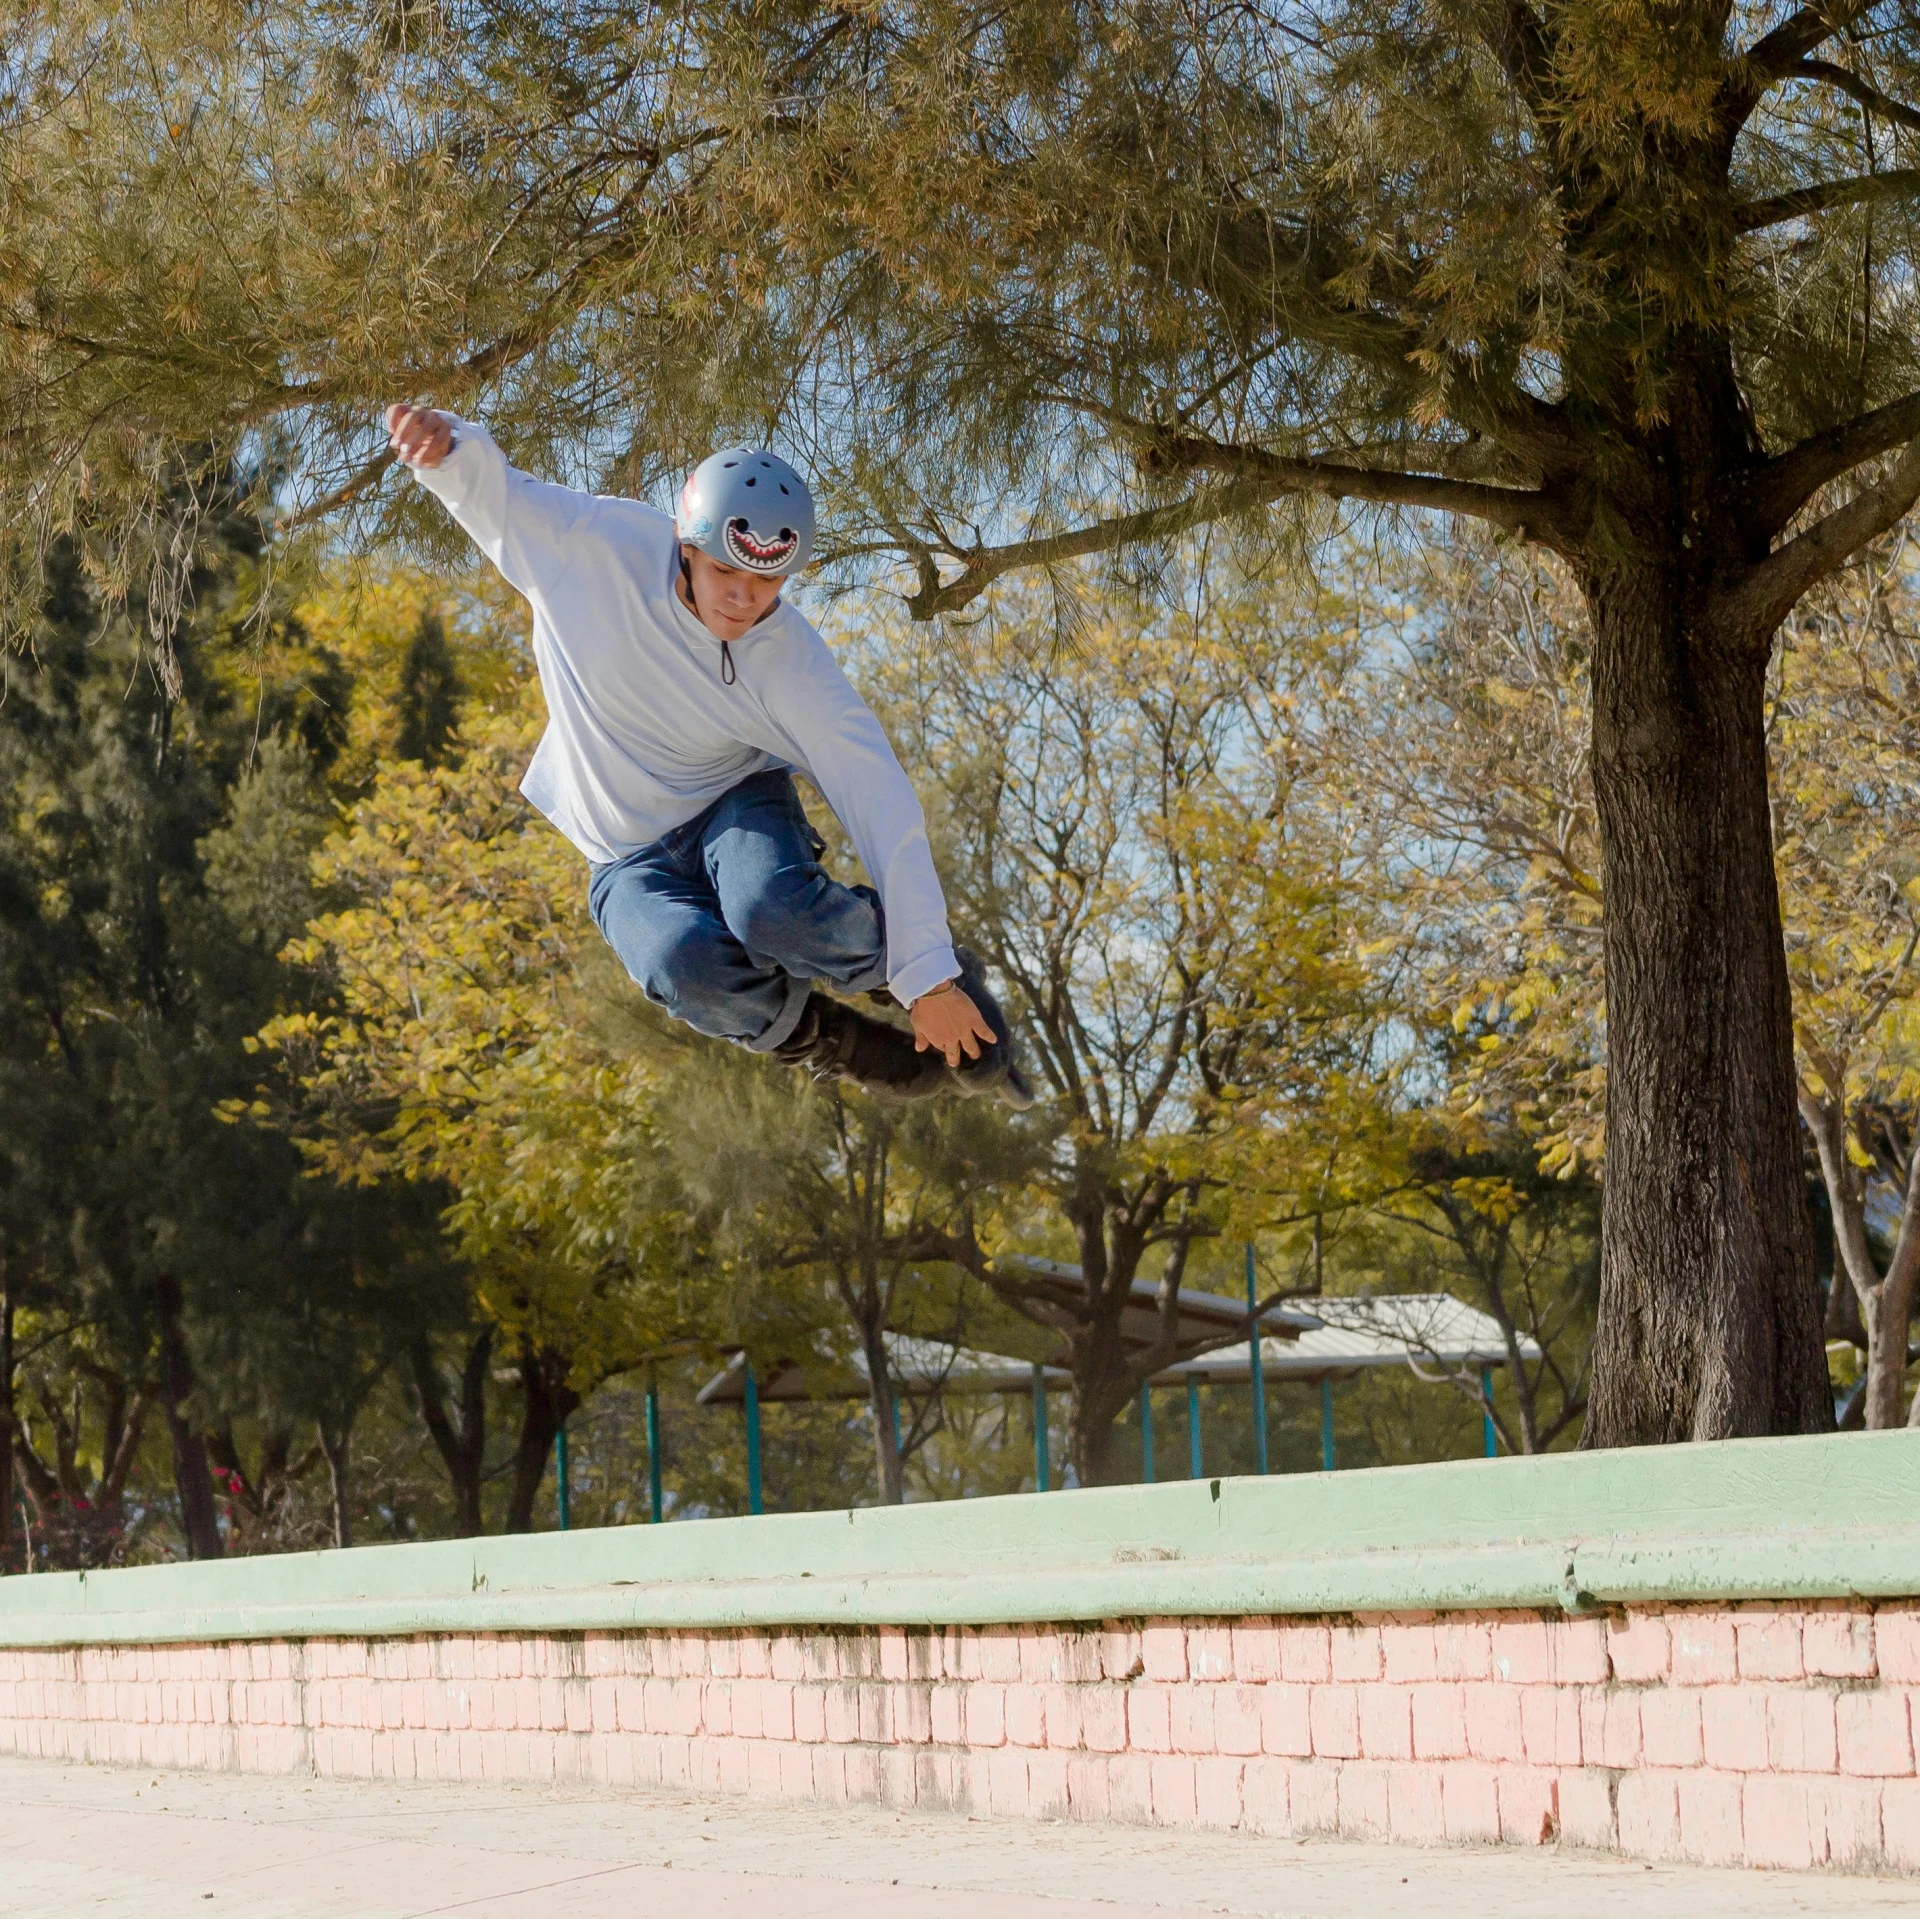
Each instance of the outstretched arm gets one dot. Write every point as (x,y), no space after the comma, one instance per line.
(518,522)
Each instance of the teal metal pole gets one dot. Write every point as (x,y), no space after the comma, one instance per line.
(563,1478)
(1259,1371)
(1326,1425)
(1146,1433)
(1040,1474)
(656,1501)
(894,1402)
(1486,1406)
(1194,1468)
(754,1504)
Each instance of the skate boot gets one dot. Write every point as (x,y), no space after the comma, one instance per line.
(835,1043)
(995,1071)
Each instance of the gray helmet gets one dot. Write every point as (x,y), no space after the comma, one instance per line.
(748,508)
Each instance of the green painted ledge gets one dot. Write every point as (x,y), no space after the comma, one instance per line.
(1814,1518)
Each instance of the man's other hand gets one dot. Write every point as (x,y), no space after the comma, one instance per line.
(419,436)
(948,1023)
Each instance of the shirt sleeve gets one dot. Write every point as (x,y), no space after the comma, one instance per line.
(846,751)
(518,522)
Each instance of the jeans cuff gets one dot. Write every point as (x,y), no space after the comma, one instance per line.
(785,1020)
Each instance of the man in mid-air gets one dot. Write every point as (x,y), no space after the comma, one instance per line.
(682,694)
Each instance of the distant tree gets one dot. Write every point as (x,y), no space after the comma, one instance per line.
(1138,837)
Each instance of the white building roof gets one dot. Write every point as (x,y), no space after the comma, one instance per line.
(1426,1331)
(918,1366)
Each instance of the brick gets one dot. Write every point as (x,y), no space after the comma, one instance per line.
(1838,1644)
(1313,1797)
(1802,1729)
(893,1653)
(1209,1652)
(1649,1815)
(1286,1728)
(986,1714)
(1637,1647)
(1364,1812)
(1711,1832)
(1264,1800)
(1846,1815)
(1416,1807)
(1047,1792)
(809,1715)
(999,1655)
(1007,1784)
(1193,1718)
(1334,1716)
(1406,1652)
(1493,1721)
(1163,1651)
(1586,1809)
(1150,1719)
(1026,1715)
(1900,1824)
(1522,1653)
(1103,1718)
(1087,1789)
(1306,1654)
(1767,1643)
(1130,1789)
(1256,1650)
(1705,1651)
(1175,1792)
(1778,1825)
(1462,1647)
(1733,1728)
(1355,1652)
(1120,1654)
(1386,1721)
(1216,1792)
(1439,1721)
(1529,1806)
(1670,1727)
(1896,1639)
(1874,1737)
(1470,1802)
(1063,1710)
(1236,1718)
(1579,1651)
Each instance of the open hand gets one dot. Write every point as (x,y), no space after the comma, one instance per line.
(419,436)
(948,1023)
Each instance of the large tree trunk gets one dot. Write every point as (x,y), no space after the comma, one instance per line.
(548,1402)
(888,1465)
(1709,1315)
(192,1476)
(461,1444)
(8,1549)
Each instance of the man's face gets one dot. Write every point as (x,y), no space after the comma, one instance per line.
(727,599)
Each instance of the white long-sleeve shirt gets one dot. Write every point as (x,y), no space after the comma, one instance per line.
(642,733)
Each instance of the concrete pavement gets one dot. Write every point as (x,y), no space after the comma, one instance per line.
(107,1842)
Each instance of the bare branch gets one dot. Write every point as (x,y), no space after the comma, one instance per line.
(1768,593)
(1897,183)
(1775,55)
(1785,484)
(983,565)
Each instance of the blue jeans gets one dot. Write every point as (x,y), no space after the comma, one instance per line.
(725,920)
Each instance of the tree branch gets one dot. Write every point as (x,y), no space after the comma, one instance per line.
(981,566)
(1786,483)
(1530,513)
(1868,95)
(1897,183)
(1775,55)
(1768,593)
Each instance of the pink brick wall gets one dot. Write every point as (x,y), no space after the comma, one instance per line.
(1763,1735)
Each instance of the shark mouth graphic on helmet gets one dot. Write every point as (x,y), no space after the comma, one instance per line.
(759,556)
